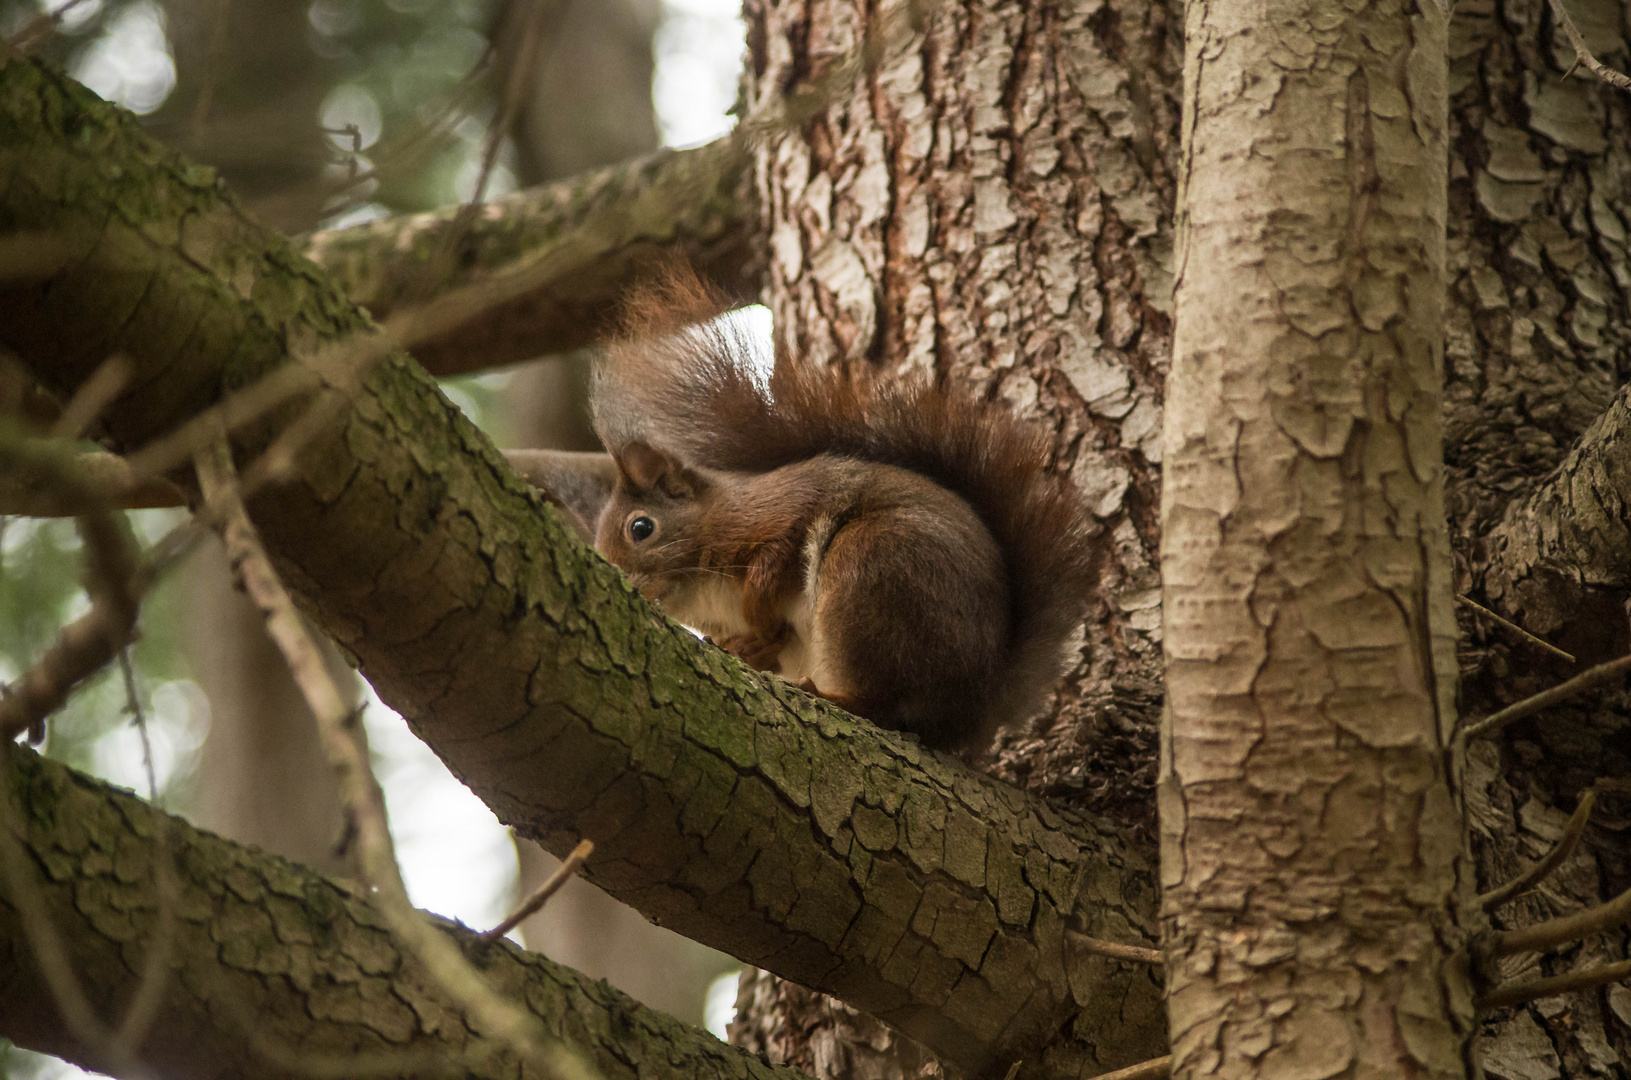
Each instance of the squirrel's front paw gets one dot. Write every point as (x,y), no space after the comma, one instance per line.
(755,650)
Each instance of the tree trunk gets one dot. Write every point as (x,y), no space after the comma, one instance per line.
(1310,829)
(1537,345)
(263,778)
(991,200)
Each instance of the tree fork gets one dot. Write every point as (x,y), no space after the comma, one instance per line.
(1310,818)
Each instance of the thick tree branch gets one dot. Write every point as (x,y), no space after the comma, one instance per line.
(541,271)
(272,961)
(722,803)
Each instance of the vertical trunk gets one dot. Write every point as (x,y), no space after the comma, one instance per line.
(262,776)
(248,88)
(1310,830)
(1538,342)
(990,200)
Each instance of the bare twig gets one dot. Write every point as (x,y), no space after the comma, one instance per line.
(40,27)
(1587,979)
(90,643)
(155,974)
(1556,857)
(1583,56)
(540,896)
(1561,931)
(1586,680)
(1153,1069)
(1136,954)
(524,69)
(339,728)
(1515,628)
(107,382)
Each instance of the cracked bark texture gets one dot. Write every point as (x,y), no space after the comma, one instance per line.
(991,201)
(267,947)
(1310,826)
(1537,351)
(722,802)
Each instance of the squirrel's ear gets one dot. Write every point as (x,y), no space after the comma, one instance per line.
(645,467)
(641,464)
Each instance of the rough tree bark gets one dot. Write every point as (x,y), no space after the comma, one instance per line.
(991,201)
(1540,194)
(722,802)
(1310,823)
(273,969)
(1538,346)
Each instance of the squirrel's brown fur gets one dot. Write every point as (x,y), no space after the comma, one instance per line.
(694,391)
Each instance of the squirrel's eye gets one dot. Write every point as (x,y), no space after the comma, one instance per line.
(641,528)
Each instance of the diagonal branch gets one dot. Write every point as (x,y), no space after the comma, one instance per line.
(1586,979)
(542,271)
(1555,858)
(279,970)
(722,803)
(1559,562)
(1584,56)
(1563,930)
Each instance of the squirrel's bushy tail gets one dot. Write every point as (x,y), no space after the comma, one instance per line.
(707,394)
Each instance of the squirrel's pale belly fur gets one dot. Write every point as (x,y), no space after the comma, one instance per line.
(713,606)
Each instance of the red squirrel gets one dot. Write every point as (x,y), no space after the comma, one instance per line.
(888,544)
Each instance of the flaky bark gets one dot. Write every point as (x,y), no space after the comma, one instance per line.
(1310,829)
(990,199)
(723,803)
(273,966)
(557,257)
(1537,345)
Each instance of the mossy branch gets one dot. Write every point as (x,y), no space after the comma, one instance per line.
(278,971)
(723,803)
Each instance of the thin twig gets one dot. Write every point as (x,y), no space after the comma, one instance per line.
(1515,628)
(1561,931)
(523,70)
(1136,954)
(1587,979)
(1556,857)
(107,382)
(90,643)
(340,729)
(1153,1069)
(155,973)
(41,27)
(1586,680)
(540,896)
(1583,55)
